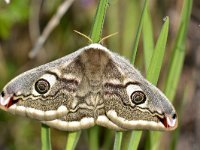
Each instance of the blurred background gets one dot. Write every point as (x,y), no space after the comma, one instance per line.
(22,22)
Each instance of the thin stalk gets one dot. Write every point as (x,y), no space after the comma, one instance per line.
(148,38)
(118,140)
(45,137)
(178,51)
(153,73)
(93,138)
(176,64)
(132,139)
(137,37)
(72,140)
(99,21)
(95,36)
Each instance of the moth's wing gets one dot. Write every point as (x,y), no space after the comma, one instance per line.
(131,102)
(45,92)
(78,123)
(66,125)
(57,94)
(104,121)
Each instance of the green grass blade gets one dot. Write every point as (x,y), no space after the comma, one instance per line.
(108,139)
(134,137)
(148,42)
(176,65)
(129,14)
(99,21)
(137,37)
(93,138)
(118,141)
(158,54)
(72,140)
(95,37)
(155,67)
(134,140)
(178,56)
(46,137)
(153,73)
(180,111)
(178,52)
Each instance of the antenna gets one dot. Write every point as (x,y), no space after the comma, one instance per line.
(108,36)
(83,35)
(90,40)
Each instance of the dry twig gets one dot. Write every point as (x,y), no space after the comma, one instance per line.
(50,26)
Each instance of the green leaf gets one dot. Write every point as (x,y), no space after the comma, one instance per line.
(158,54)
(108,139)
(180,110)
(155,66)
(129,14)
(95,37)
(118,140)
(72,140)
(93,138)
(153,73)
(134,137)
(46,137)
(148,42)
(99,21)
(176,65)
(137,37)
(178,55)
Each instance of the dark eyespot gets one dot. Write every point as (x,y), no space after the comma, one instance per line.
(138,97)
(174,116)
(2,93)
(42,86)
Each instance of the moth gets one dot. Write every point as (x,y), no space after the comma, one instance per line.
(92,86)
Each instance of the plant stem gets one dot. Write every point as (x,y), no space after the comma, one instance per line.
(72,140)
(137,37)
(95,37)
(118,141)
(93,138)
(99,21)
(45,137)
